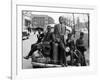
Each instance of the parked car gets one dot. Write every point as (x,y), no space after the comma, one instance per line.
(25,35)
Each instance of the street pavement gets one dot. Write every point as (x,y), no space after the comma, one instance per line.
(26,48)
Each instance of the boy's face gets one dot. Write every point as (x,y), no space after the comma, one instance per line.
(81,36)
(39,31)
(69,36)
(61,20)
(48,29)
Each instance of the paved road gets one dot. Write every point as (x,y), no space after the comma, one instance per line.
(26,48)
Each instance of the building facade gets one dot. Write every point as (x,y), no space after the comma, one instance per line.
(35,21)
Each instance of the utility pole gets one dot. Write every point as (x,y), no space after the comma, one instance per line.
(73,32)
(73,25)
(88,28)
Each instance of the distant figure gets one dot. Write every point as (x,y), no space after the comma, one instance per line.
(29,28)
(80,46)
